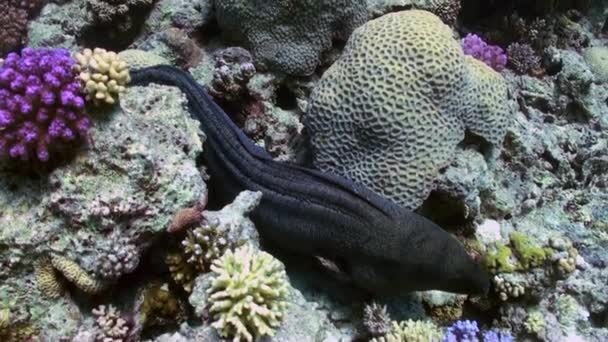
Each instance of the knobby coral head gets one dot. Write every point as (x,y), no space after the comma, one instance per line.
(41,106)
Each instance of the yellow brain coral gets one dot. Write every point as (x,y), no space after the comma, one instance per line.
(248,294)
(391,110)
(103,74)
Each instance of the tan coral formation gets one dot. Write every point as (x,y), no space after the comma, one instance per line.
(103,74)
(76,275)
(391,111)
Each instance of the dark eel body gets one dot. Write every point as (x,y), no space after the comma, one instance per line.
(381,246)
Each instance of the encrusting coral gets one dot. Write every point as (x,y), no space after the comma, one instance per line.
(248,294)
(103,75)
(76,275)
(13,27)
(289,36)
(115,15)
(417,93)
(46,278)
(41,110)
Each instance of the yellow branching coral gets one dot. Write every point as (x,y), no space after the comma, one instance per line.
(5,319)
(248,294)
(411,331)
(181,271)
(103,74)
(75,274)
(46,278)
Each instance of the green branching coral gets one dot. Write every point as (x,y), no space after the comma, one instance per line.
(498,261)
(248,294)
(412,331)
(75,274)
(528,254)
(535,323)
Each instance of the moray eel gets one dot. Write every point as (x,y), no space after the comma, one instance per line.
(382,247)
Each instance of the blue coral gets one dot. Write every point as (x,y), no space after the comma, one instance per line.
(462,331)
(468,331)
(41,106)
(492,55)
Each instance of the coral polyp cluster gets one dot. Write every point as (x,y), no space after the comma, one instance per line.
(103,75)
(492,55)
(41,108)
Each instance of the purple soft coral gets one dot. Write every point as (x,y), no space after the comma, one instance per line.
(462,331)
(468,331)
(492,55)
(41,108)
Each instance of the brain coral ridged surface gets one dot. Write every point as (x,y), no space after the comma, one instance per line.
(391,110)
(289,36)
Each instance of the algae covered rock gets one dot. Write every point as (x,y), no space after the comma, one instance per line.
(290,36)
(391,111)
(118,185)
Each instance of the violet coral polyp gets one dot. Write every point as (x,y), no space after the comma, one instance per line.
(492,55)
(41,106)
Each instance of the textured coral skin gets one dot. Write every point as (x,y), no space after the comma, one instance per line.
(13,27)
(41,109)
(492,55)
(282,41)
(391,110)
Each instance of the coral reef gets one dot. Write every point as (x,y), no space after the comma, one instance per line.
(248,294)
(116,17)
(210,235)
(103,75)
(361,137)
(282,41)
(41,110)
(532,206)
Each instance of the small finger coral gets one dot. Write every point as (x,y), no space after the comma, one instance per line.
(103,75)
(248,294)
(109,325)
(411,331)
(41,110)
